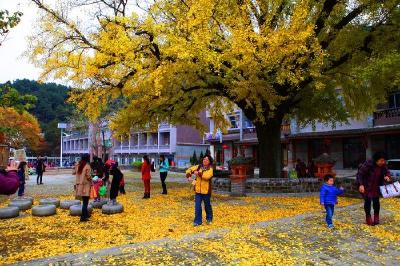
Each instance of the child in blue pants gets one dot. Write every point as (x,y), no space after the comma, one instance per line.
(328,198)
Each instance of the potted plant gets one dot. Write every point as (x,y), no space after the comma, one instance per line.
(137,165)
(324,164)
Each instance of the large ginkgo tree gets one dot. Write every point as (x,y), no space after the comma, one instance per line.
(167,60)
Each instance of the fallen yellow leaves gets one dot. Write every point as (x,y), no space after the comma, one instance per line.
(170,216)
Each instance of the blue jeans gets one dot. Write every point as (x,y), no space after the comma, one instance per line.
(207,205)
(85,203)
(21,189)
(329,213)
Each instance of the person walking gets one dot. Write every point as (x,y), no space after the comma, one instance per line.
(164,168)
(146,176)
(83,184)
(40,168)
(204,173)
(328,198)
(370,176)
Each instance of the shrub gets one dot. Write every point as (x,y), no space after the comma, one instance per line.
(241,160)
(137,164)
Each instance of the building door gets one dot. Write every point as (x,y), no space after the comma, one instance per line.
(393,146)
(353,152)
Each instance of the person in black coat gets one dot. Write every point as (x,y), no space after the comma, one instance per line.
(116,181)
(40,168)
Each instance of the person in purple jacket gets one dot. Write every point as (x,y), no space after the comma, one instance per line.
(371,175)
(9,179)
(328,198)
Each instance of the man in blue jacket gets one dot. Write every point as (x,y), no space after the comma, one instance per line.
(328,198)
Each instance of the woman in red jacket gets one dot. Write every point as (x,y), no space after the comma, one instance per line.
(146,176)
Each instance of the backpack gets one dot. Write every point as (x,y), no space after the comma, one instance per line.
(152,167)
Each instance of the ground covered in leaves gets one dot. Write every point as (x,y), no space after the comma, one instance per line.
(247,231)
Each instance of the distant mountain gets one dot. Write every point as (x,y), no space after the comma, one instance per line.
(49,109)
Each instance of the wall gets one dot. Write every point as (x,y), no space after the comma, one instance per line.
(320,127)
(336,149)
(190,135)
(286,185)
(302,150)
(185,152)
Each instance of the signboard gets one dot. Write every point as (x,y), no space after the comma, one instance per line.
(62,125)
(20,155)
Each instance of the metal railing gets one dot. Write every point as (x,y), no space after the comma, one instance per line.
(387,113)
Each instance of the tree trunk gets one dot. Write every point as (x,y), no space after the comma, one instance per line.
(269,139)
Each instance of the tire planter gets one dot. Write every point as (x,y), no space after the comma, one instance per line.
(44,210)
(9,212)
(66,204)
(23,205)
(99,204)
(112,208)
(76,210)
(23,198)
(50,201)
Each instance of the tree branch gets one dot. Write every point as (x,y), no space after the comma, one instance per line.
(341,24)
(66,23)
(326,11)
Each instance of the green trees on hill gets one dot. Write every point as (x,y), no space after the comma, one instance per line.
(50,109)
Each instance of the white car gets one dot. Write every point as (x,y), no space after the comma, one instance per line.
(394,167)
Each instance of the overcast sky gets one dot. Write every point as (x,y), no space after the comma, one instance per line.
(12,64)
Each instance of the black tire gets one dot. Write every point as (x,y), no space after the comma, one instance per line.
(66,204)
(44,210)
(99,204)
(76,210)
(50,201)
(112,208)
(9,212)
(23,198)
(23,205)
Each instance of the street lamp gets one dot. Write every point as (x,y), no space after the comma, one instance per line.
(61,126)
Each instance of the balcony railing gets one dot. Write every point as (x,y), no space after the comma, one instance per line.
(387,113)
(249,130)
(142,148)
(164,125)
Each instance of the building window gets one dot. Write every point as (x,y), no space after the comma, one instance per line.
(394,100)
(247,123)
(234,119)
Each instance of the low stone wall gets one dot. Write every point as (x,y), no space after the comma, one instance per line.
(286,185)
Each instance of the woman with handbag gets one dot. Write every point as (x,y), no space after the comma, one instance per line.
(83,184)
(371,175)
(202,186)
